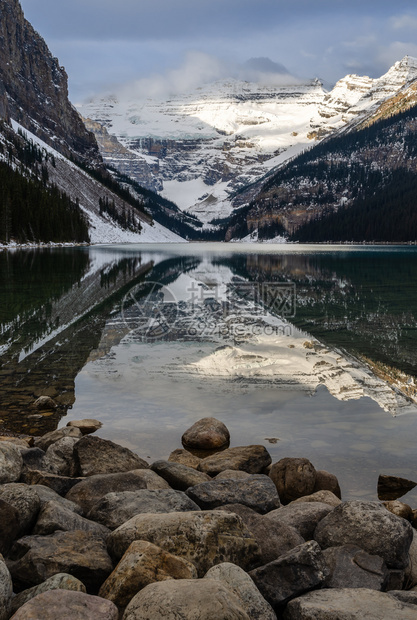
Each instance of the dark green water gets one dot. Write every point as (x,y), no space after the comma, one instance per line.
(73,326)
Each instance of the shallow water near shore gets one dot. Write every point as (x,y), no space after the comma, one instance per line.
(271,340)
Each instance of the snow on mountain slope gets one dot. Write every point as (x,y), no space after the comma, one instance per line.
(80,186)
(205,145)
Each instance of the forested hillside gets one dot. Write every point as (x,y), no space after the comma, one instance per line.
(358,186)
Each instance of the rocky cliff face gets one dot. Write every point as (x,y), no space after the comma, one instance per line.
(33,88)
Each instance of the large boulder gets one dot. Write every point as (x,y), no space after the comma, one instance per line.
(294,478)
(59,484)
(348,604)
(273,538)
(196,599)
(59,457)
(94,455)
(33,458)
(49,438)
(411,570)
(89,491)
(352,567)
(206,434)
(257,492)
(114,509)
(11,462)
(325,497)
(67,605)
(232,474)
(304,516)
(179,476)
(6,590)
(243,587)
(298,571)
(142,564)
(326,481)
(26,501)
(252,459)
(371,527)
(151,479)
(82,554)
(204,538)
(10,526)
(60,581)
(54,516)
(46,494)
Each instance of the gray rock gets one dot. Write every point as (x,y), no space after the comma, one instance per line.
(351,567)
(206,434)
(348,604)
(33,458)
(327,482)
(204,538)
(142,564)
(411,570)
(49,438)
(88,492)
(54,516)
(304,516)
(393,487)
(60,581)
(114,509)
(325,497)
(232,474)
(25,500)
(59,457)
(6,590)
(46,494)
(252,459)
(59,484)
(405,597)
(242,586)
(184,458)
(274,538)
(152,481)
(94,455)
(81,554)
(298,571)
(86,426)
(67,605)
(294,478)
(371,527)
(179,476)
(10,526)
(257,492)
(11,462)
(196,599)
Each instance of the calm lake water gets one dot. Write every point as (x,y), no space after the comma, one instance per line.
(148,339)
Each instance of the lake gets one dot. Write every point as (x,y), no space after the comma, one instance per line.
(308,350)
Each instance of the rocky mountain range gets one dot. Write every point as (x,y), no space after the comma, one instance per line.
(203,149)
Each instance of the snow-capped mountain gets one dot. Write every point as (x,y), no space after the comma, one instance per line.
(203,146)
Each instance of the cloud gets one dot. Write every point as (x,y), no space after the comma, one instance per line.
(404,22)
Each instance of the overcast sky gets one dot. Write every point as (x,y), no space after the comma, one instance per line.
(106,43)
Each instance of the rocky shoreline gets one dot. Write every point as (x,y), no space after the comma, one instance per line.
(91,531)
